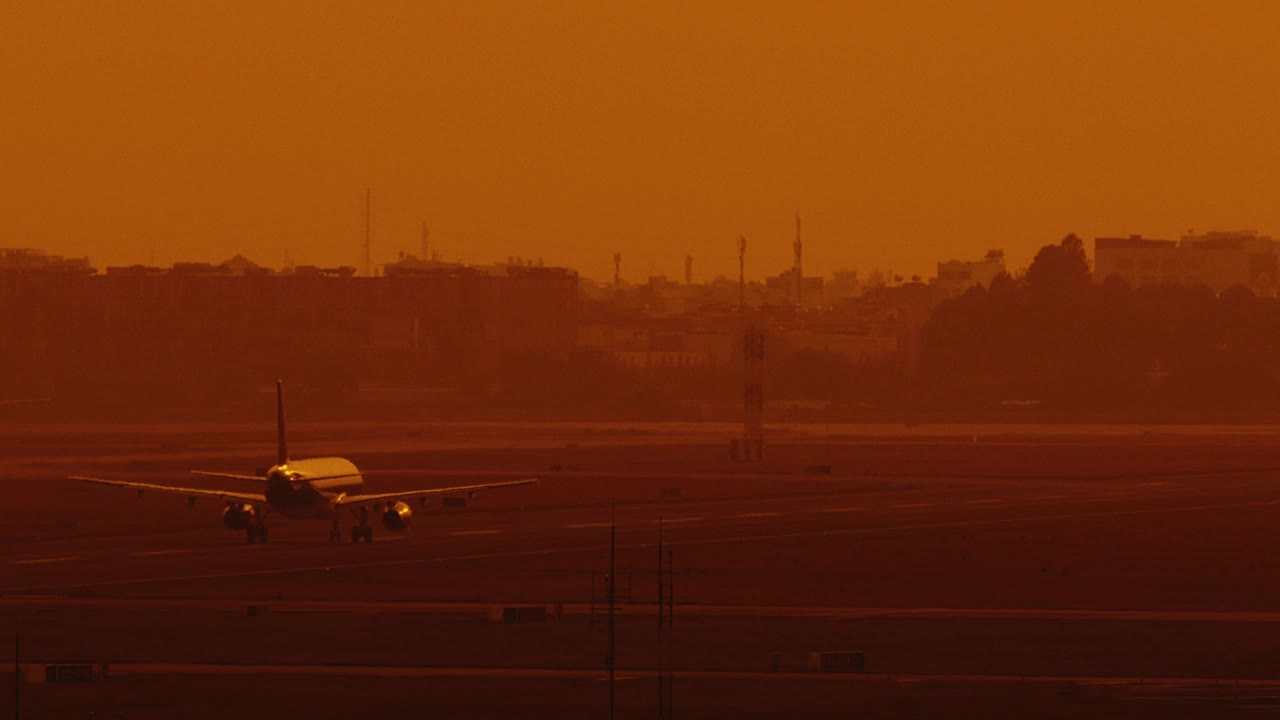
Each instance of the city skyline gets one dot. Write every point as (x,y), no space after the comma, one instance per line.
(903,135)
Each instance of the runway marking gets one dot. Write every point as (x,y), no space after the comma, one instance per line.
(836,532)
(1238,685)
(758,515)
(474,532)
(576,526)
(161,552)
(840,510)
(643,610)
(981,502)
(42,561)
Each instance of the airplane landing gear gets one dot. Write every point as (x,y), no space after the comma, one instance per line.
(256,534)
(361,530)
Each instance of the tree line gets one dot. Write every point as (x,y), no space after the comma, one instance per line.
(1058,337)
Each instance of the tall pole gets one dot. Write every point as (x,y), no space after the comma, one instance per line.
(17,669)
(368,261)
(613,539)
(742,272)
(662,616)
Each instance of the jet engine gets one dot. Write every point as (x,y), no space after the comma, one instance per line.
(237,516)
(396,516)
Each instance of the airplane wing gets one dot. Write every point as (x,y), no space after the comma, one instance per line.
(249,498)
(357,500)
(228,476)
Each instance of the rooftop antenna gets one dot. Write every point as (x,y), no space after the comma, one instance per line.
(368,262)
(688,269)
(799,248)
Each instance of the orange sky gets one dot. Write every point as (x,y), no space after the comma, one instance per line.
(903,132)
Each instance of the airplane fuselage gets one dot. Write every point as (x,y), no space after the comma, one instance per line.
(309,488)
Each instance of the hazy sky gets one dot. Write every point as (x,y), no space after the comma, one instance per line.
(903,132)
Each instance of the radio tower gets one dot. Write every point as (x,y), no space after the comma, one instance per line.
(368,259)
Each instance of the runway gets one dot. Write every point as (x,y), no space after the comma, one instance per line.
(502,535)
(992,585)
(626,674)
(557,611)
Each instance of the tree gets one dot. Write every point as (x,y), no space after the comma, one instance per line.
(1061,268)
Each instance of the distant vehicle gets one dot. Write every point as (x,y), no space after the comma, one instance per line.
(314,488)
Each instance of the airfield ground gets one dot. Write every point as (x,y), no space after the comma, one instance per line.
(984,571)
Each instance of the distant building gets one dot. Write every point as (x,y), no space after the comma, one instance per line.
(781,290)
(956,276)
(413,265)
(29,260)
(1218,260)
(200,330)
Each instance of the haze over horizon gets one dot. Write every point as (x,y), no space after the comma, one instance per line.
(903,134)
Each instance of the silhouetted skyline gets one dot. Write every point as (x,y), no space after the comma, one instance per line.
(902,134)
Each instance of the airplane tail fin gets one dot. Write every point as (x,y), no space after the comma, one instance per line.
(282,454)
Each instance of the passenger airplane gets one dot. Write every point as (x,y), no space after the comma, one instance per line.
(315,488)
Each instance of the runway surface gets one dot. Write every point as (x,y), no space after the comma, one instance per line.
(98,565)
(156,561)
(1056,571)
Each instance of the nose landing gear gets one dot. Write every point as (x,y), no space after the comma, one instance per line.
(361,530)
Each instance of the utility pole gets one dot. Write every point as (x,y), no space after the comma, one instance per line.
(17,668)
(666,597)
(688,269)
(753,392)
(617,272)
(368,259)
(613,544)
